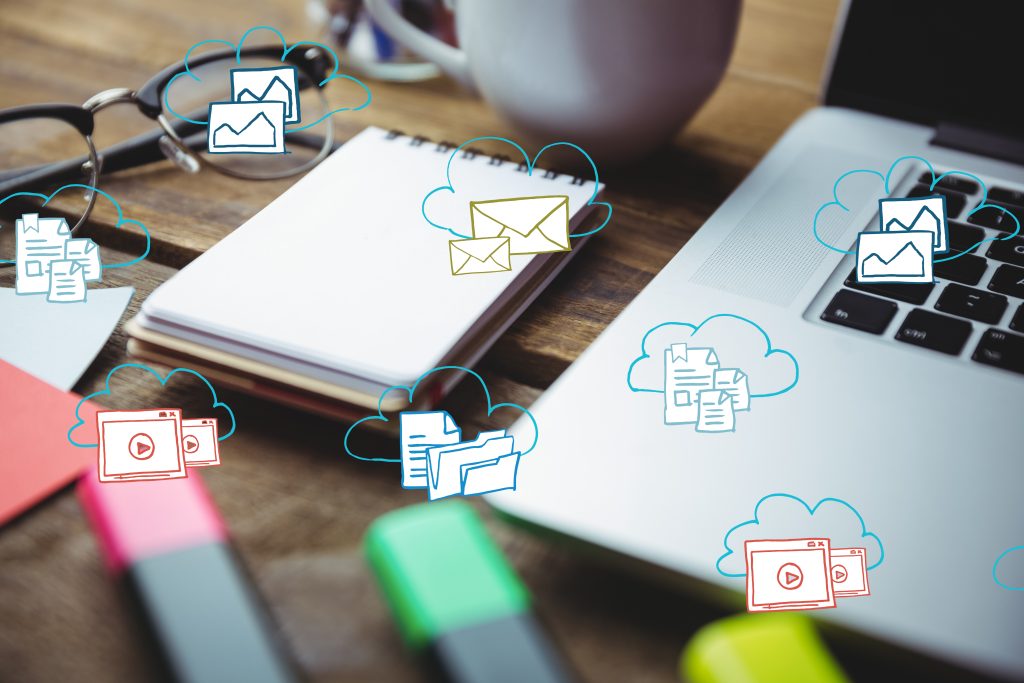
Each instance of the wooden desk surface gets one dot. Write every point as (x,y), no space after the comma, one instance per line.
(297,508)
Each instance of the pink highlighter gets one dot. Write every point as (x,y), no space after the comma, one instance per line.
(166,542)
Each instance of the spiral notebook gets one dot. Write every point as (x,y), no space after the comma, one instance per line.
(340,287)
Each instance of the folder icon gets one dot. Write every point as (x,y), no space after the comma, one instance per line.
(491,475)
(487,255)
(481,464)
(533,225)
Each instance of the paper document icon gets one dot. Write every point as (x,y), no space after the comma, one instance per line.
(39,242)
(246,127)
(87,254)
(715,412)
(894,257)
(920,214)
(445,464)
(734,382)
(688,371)
(420,431)
(67,282)
(534,225)
(487,255)
(272,84)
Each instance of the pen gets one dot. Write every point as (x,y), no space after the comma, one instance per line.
(167,544)
(456,599)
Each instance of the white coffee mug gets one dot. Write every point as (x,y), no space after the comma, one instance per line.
(617,77)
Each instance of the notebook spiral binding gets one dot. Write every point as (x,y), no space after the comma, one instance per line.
(471,153)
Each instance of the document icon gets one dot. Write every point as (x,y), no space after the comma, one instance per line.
(87,254)
(482,463)
(534,225)
(688,371)
(246,127)
(486,255)
(894,257)
(919,214)
(734,382)
(272,84)
(420,431)
(67,282)
(39,242)
(715,412)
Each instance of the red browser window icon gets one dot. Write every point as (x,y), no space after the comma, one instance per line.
(140,445)
(199,442)
(789,574)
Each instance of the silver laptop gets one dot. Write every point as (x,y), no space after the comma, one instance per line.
(907,404)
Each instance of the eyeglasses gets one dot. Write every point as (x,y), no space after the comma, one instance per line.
(46,145)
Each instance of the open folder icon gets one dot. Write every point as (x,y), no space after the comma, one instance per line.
(488,255)
(534,225)
(485,464)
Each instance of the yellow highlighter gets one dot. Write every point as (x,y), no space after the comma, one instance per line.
(759,648)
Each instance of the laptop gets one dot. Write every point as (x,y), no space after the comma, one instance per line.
(908,402)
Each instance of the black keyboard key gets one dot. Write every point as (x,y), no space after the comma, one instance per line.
(1007,251)
(975,304)
(859,311)
(1008,280)
(1001,195)
(991,217)
(1017,323)
(934,331)
(954,200)
(1001,349)
(966,269)
(951,182)
(912,294)
(964,237)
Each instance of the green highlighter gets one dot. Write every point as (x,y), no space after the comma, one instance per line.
(456,599)
(759,648)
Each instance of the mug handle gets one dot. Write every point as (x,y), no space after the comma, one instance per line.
(452,61)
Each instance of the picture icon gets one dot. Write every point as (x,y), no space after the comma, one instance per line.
(273,84)
(911,232)
(246,127)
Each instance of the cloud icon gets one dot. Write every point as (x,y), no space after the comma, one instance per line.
(884,189)
(120,223)
(449,193)
(1008,569)
(739,343)
(79,438)
(286,49)
(409,393)
(781,515)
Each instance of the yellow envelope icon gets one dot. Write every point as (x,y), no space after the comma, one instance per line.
(534,225)
(487,255)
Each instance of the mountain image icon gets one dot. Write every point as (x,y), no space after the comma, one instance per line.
(257,132)
(907,262)
(276,91)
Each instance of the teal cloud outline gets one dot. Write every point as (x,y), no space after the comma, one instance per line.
(531,165)
(810,511)
(285,51)
(121,220)
(995,568)
(410,391)
(163,382)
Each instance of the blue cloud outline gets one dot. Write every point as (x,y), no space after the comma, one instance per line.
(995,568)
(163,382)
(530,166)
(285,51)
(695,328)
(810,510)
(121,220)
(983,204)
(411,390)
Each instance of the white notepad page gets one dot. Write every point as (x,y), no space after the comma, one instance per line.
(343,271)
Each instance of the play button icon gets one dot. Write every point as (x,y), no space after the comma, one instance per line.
(191,444)
(839,574)
(141,446)
(790,576)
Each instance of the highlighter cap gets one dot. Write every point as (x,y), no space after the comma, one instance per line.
(440,571)
(759,648)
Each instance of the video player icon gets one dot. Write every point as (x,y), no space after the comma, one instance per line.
(190,443)
(790,576)
(839,574)
(141,446)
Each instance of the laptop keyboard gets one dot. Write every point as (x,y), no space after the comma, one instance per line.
(975,307)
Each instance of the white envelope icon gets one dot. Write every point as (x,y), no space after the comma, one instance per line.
(487,255)
(534,225)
